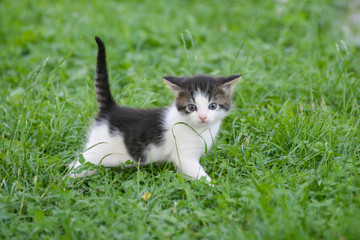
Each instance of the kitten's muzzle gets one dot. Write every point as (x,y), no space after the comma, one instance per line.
(202,117)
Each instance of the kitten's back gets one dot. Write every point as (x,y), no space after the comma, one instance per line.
(139,127)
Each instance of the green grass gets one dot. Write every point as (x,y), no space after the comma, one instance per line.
(286,163)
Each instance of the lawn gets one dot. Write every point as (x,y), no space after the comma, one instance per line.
(286,164)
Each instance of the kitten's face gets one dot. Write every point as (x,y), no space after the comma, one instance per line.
(203,100)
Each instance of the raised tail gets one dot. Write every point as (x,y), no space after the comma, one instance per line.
(102,87)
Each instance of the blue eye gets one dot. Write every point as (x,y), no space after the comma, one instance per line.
(191,107)
(213,106)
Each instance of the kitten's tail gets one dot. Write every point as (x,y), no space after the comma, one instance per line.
(102,88)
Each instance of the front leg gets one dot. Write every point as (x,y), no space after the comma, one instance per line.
(191,168)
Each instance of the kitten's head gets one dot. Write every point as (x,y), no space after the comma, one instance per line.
(203,99)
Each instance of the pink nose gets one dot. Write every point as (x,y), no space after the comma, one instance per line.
(202,117)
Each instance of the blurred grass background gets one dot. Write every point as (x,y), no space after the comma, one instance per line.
(287,161)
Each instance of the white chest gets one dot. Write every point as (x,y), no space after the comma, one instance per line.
(182,139)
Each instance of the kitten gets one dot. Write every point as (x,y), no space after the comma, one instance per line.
(179,133)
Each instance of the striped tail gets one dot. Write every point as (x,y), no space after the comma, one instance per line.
(102,88)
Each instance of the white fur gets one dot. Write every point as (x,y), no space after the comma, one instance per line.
(103,148)
(185,139)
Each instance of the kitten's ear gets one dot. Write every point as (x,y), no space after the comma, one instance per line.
(229,82)
(173,82)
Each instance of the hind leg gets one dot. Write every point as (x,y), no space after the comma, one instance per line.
(85,173)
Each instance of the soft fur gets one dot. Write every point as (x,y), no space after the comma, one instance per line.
(179,133)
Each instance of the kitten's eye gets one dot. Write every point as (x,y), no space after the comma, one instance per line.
(191,107)
(213,106)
